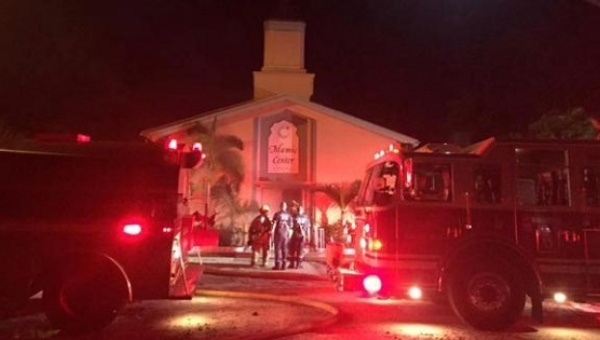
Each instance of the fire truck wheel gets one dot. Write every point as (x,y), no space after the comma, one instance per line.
(85,295)
(487,296)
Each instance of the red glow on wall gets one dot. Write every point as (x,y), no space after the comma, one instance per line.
(408,170)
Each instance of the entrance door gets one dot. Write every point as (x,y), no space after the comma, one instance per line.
(292,195)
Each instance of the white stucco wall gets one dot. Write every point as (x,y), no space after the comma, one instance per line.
(342,149)
(343,146)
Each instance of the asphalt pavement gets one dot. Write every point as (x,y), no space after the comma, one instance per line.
(235,261)
(230,307)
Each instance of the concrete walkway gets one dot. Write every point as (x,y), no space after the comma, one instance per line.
(235,261)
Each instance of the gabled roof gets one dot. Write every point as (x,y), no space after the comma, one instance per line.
(273,103)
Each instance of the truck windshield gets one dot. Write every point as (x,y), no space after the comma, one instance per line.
(380,184)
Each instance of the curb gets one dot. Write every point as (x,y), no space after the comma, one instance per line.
(279,275)
(300,328)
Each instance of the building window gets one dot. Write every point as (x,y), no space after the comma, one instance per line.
(430,182)
(381,183)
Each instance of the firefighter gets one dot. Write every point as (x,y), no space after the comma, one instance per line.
(259,235)
(282,226)
(301,226)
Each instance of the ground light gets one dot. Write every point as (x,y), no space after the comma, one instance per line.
(372,284)
(415,293)
(191,320)
(560,297)
(419,331)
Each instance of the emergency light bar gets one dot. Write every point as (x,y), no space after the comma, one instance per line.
(185,159)
(132,229)
(63,137)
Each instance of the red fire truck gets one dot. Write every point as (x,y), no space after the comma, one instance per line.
(91,225)
(485,226)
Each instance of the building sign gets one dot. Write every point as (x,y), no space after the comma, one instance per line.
(283,155)
(285,148)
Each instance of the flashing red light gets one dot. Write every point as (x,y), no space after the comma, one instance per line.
(197,146)
(372,284)
(167,230)
(172,144)
(408,166)
(415,293)
(63,137)
(81,138)
(132,229)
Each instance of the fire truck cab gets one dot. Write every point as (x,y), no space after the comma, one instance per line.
(485,225)
(91,225)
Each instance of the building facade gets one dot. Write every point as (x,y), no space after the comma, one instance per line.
(291,144)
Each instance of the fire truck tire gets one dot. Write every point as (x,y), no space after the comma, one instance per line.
(487,296)
(85,295)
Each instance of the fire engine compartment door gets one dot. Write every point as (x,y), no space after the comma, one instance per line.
(186,262)
(551,225)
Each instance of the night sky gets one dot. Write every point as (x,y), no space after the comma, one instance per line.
(113,68)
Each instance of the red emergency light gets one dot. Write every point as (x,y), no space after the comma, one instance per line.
(63,137)
(372,284)
(186,159)
(81,138)
(132,229)
(172,144)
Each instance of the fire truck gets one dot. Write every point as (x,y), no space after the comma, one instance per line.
(91,225)
(485,226)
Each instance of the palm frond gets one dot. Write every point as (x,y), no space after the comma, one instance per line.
(228,142)
(198,129)
(232,164)
(213,126)
(341,193)
(351,192)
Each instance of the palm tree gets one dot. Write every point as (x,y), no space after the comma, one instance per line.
(223,164)
(234,216)
(220,176)
(342,195)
